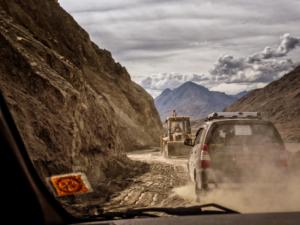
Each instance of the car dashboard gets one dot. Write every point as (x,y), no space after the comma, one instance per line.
(290,218)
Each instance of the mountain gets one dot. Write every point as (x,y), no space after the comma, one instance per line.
(279,102)
(75,107)
(191,99)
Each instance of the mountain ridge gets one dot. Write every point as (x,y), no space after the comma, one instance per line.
(191,99)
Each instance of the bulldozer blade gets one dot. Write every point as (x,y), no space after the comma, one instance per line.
(177,149)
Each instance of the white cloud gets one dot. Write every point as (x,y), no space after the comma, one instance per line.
(234,74)
(184,35)
(170,80)
(156,83)
(263,66)
(235,88)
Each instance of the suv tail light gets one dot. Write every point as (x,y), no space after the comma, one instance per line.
(204,157)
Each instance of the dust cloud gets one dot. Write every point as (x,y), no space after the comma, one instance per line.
(249,199)
(271,191)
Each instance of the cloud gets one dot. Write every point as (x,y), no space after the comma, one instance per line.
(156,83)
(238,70)
(234,88)
(234,74)
(288,43)
(170,80)
(151,36)
(264,66)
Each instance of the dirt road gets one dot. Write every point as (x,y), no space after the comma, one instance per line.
(156,187)
(166,185)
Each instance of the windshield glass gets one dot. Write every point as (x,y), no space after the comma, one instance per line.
(247,133)
(91,85)
(177,126)
(180,126)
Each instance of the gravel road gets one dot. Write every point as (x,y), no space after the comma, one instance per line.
(166,184)
(154,188)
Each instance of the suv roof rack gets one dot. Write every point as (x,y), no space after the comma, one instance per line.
(232,115)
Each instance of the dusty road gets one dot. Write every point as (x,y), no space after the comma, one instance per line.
(166,184)
(156,187)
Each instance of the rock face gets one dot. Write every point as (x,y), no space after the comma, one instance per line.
(279,101)
(192,100)
(77,109)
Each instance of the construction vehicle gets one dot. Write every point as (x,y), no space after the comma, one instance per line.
(177,129)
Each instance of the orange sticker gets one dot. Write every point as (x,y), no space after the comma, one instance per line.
(70,184)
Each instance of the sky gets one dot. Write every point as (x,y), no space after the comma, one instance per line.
(228,46)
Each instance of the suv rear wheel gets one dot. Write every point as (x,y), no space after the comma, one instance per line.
(166,150)
(202,186)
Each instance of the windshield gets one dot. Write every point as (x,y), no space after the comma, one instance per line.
(91,84)
(180,126)
(177,126)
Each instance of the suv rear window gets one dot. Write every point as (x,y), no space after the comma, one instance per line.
(237,148)
(236,133)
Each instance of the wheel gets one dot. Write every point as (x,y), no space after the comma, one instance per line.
(162,148)
(197,188)
(204,180)
(166,153)
(188,169)
(200,187)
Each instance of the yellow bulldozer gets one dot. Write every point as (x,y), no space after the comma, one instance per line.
(176,130)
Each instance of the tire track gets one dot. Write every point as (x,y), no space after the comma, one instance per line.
(152,189)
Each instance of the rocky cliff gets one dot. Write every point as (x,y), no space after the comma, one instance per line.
(77,109)
(279,102)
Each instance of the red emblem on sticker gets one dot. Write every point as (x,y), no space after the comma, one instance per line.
(70,184)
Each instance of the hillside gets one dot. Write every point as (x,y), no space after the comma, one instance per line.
(76,108)
(279,101)
(191,99)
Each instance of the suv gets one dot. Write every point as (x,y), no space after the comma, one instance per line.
(235,147)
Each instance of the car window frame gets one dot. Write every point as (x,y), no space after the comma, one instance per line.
(199,136)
